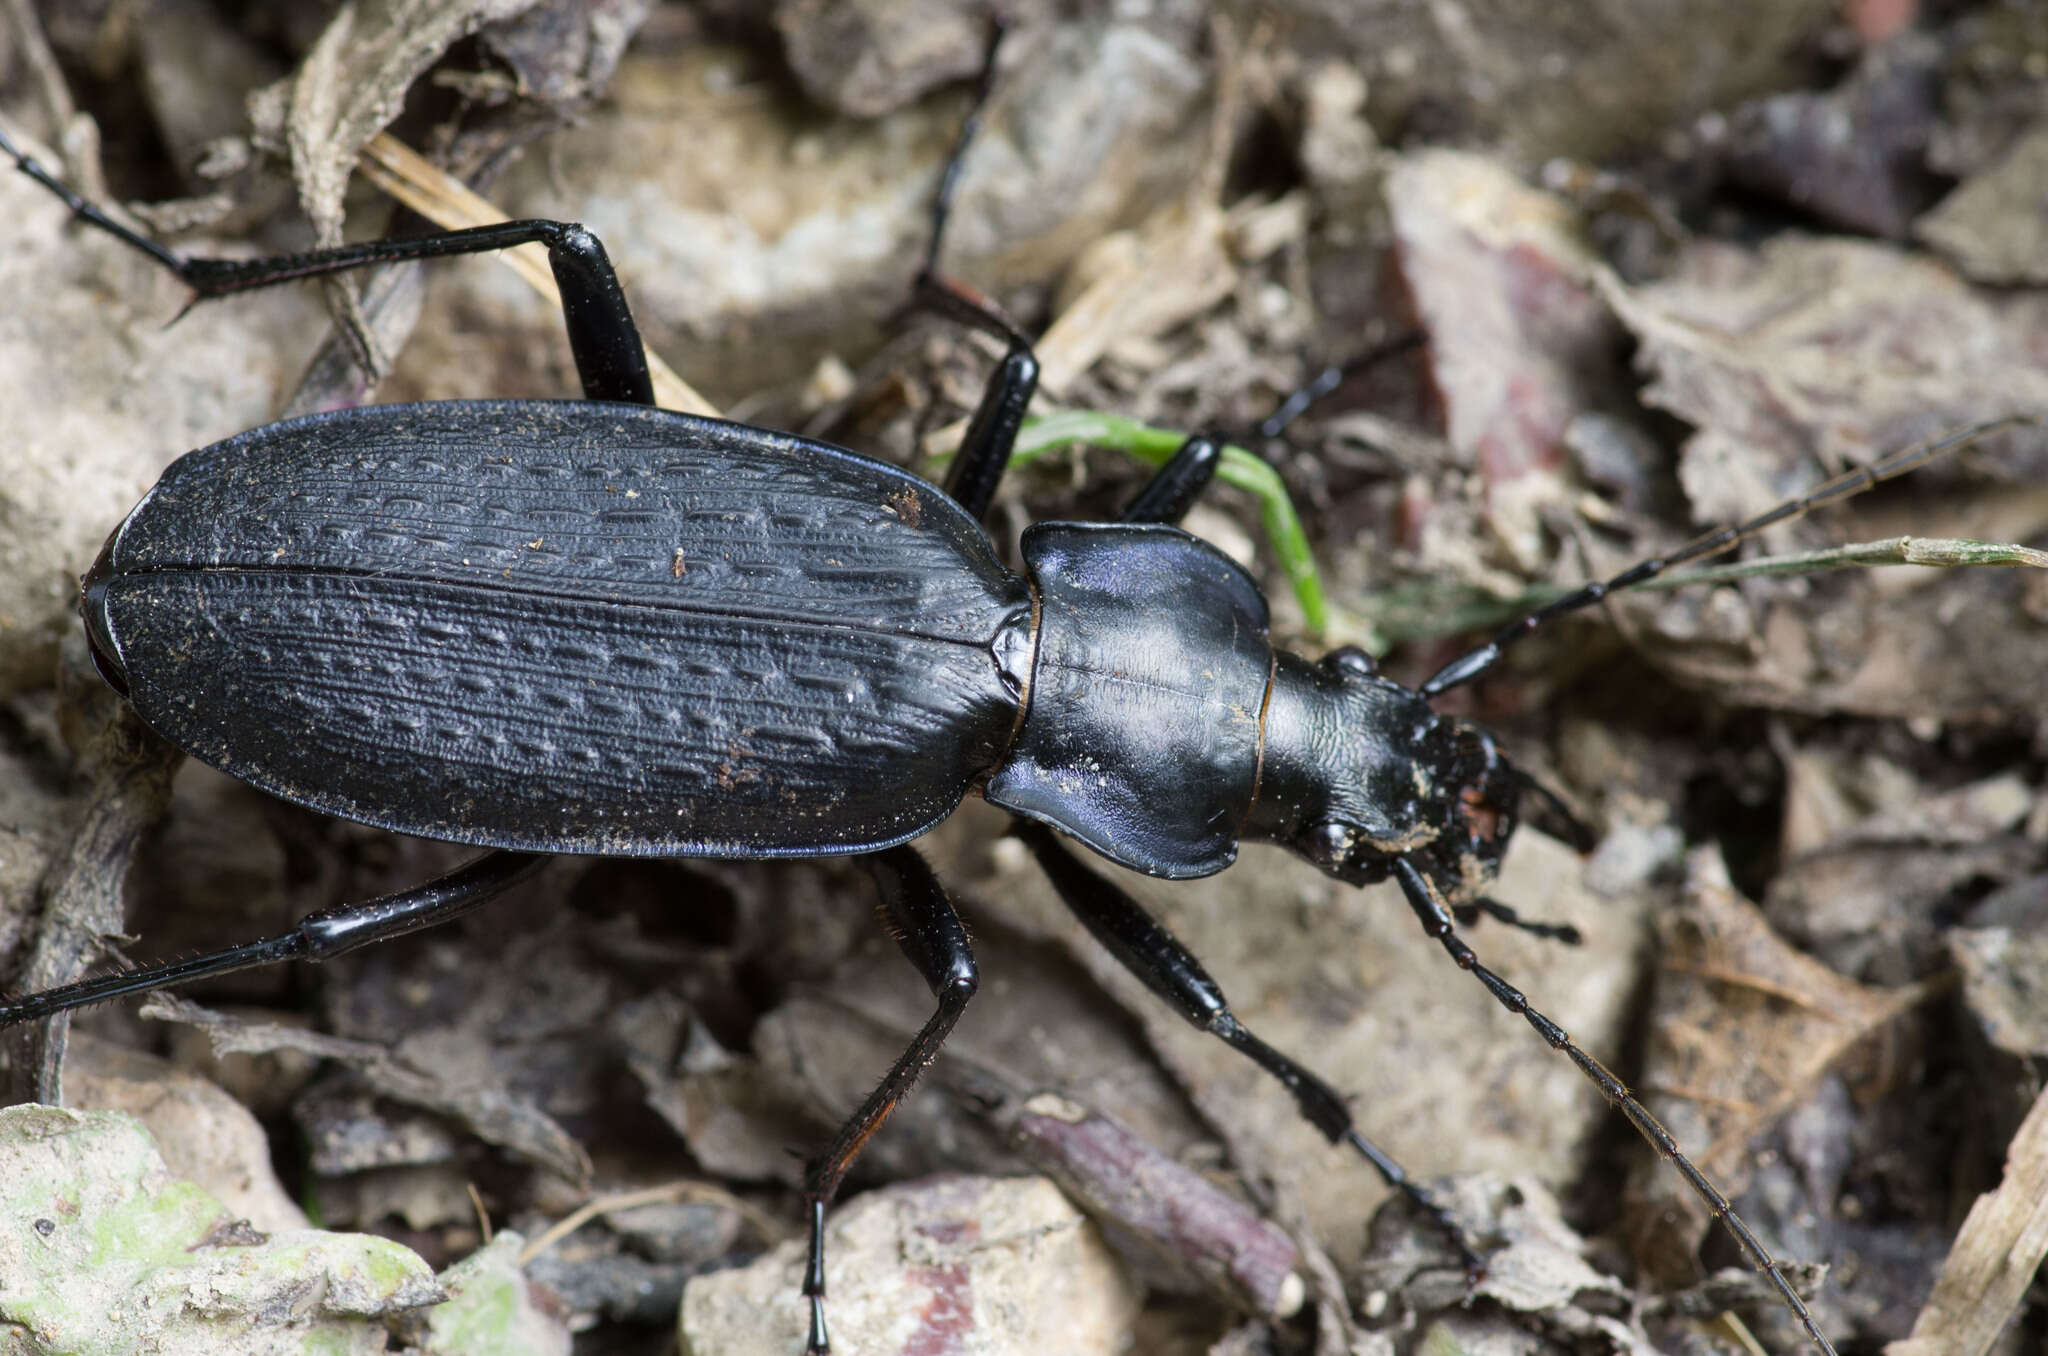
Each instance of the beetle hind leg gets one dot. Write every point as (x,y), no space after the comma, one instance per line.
(602,335)
(923,921)
(318,936)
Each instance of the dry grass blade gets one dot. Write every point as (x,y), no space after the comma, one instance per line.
(1932,552)
(766,1225)
(1995,1256)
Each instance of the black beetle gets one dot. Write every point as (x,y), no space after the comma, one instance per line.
(599,627)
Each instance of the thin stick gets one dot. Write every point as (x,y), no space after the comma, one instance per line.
(683,1189)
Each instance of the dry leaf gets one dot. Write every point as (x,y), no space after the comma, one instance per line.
(1742,1027)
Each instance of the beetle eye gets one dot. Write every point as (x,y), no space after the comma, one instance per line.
(1350,659)
(1327,844)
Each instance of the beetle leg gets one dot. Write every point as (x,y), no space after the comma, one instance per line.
(1330,378)
(1436,920)
(1169,969)
(985,449)
(602,334)
(319,936)
(970,127)
(923,922)
(1173,489)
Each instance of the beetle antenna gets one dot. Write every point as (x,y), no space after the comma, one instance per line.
(1470,665)
(1330,378)
(1437,921)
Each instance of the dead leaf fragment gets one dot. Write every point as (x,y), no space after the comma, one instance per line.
(2005,975)
(1742,1028)
(354,81)
(1810,355)
(1993,226)
(1520,341)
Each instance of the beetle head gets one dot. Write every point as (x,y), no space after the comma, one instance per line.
(1359,771)
(1455,832)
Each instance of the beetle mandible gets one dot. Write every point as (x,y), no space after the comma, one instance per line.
(464,620)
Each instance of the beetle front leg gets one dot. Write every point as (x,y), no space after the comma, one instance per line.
(924,923)
(1170,970)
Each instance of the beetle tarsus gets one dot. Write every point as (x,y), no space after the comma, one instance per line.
(818,1340)
(319,936)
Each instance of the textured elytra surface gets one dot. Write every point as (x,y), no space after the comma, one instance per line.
(568,627)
